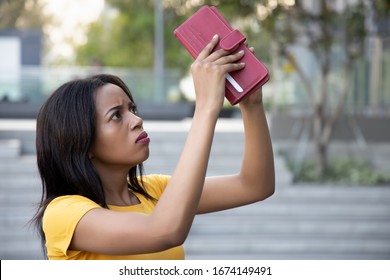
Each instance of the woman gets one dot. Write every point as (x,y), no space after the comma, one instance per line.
(91,144)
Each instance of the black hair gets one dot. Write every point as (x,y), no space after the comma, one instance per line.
(66,126)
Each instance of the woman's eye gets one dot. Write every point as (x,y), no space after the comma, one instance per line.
(116,116)
(133,109)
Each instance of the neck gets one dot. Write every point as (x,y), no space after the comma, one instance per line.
(115,186)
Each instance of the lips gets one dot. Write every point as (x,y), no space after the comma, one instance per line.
(143,138)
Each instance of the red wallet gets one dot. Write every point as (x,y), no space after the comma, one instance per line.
(198,30)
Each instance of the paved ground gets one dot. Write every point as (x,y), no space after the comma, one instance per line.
(298,222)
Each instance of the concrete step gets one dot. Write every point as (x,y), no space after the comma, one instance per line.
(298,222)
(275,244)
(19,165)
(19,239)
(21,249)
(10,149)
(26,137)
(301,229)
(29,199)
(288,256)
(311,212)
(371,224)
(287,248)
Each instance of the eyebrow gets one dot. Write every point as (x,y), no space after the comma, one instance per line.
(112,109)
(117,107)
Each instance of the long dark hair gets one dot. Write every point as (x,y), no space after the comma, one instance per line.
(66,126)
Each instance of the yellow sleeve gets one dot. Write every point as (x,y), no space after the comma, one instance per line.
(60,220)
(155,184)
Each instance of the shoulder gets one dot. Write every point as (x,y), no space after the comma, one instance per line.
(63,207)
(155,184)
(70,201)
(60,220)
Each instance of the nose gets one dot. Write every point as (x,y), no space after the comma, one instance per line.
(135,121)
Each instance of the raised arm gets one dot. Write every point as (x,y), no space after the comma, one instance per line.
(110,232)
(256,178)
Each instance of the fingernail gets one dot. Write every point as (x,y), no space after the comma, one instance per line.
(241,52)
(215,36)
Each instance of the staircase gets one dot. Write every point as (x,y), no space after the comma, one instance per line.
(300,222)
(19,192)
(297,222)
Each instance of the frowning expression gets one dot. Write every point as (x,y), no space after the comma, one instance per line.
(120,140)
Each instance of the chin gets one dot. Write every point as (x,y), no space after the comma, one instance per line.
(143,158)
(146,155)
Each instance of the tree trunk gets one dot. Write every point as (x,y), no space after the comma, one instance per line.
(322,153)
(320,147)
(320,118)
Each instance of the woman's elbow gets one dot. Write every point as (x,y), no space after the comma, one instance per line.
(266,190)
(270,191)
(172,237)
(269,186)
(178,239)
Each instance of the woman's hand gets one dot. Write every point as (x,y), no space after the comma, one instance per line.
(257,96)
(208,72)
(256,179)
(254,98)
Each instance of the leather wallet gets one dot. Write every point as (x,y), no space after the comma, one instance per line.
(198,30)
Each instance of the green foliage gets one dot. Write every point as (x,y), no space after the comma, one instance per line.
(382,7)
(22,14)
(176,56)
(342,171)
(127,40)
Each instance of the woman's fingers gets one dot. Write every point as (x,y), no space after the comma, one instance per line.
(225,64)
(232,58)
(208,49)
(208,54)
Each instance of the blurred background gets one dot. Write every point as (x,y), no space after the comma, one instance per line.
(327,103)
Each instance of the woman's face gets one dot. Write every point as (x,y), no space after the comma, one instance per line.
(120,140)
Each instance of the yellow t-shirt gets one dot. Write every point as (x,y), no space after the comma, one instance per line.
(63,214)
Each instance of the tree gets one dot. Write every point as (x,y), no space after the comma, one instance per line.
(122,37)
(322,31)
(21,14)
(125,37)
(323,28)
